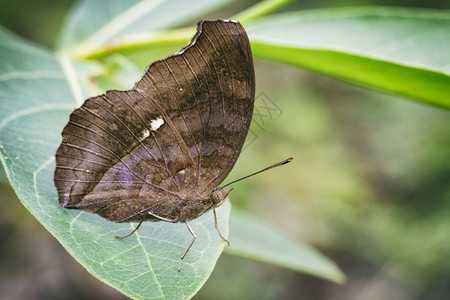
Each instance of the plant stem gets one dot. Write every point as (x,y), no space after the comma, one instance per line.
(133,42)
(260,9)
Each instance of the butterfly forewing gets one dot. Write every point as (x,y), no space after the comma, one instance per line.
(175,135)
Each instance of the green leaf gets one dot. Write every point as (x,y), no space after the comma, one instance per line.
(259,9)
(3,178)
(253,239)
(38,91)
(397,50)
(36,102)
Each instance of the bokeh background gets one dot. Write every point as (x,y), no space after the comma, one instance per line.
(370,187)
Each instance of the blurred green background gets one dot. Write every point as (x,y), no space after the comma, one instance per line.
(369,187)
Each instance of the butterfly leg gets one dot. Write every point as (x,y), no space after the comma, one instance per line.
(217,228)
(134,230)
(162,218)
(190,245)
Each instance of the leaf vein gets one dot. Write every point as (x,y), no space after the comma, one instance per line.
(147,256)
(34,110)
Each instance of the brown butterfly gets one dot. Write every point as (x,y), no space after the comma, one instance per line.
(159,151)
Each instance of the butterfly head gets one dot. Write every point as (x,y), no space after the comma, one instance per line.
(219,195)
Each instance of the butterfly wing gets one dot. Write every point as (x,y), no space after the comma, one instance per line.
(175,135)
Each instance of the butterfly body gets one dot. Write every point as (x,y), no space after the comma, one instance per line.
(175,209)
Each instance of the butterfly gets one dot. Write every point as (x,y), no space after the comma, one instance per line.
(159,151)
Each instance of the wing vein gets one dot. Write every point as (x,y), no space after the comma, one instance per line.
(197,106)
(181,143)
(120,159)
(127,128)
(218,79)
(124,147)
(174,99)
(154,138)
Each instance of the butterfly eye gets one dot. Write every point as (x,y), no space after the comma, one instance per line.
(216,196)
(219,195)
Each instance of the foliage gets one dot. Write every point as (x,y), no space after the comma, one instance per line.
(397,51)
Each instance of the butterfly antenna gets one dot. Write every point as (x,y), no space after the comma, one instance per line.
(283,162)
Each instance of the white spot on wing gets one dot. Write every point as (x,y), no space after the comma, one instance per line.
(230,21)
(145,134)
(156,123)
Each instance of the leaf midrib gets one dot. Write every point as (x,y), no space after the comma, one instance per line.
(71,76)
(147,257)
